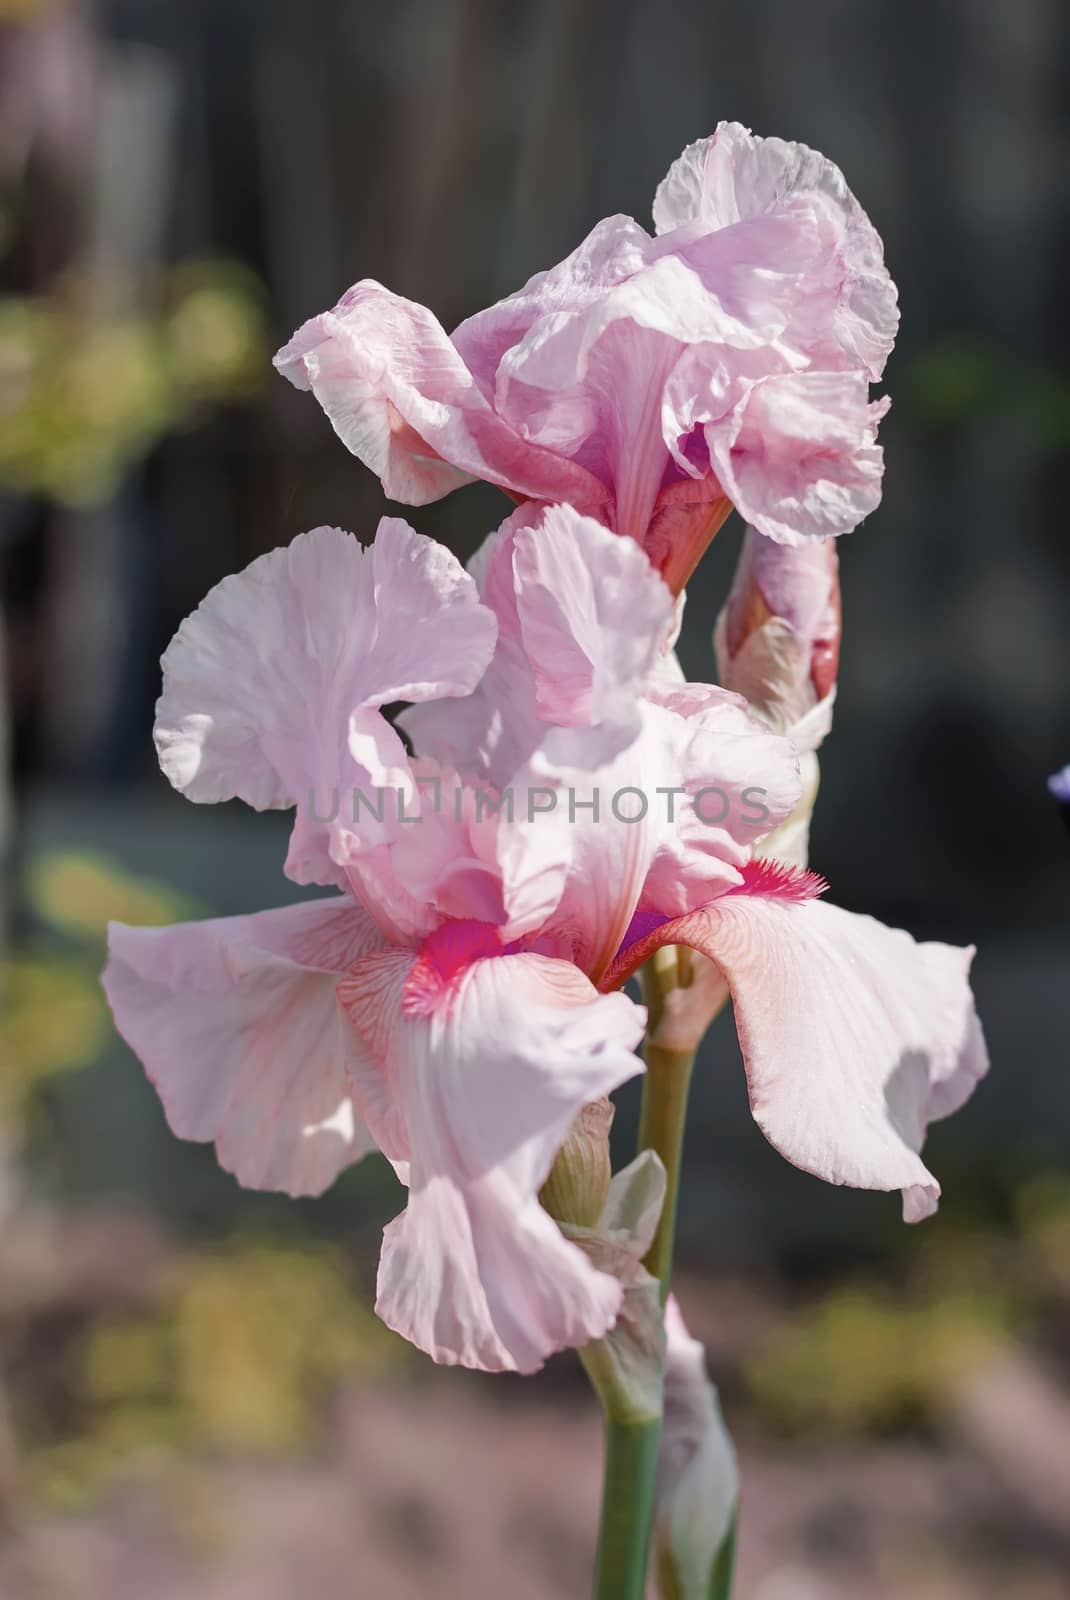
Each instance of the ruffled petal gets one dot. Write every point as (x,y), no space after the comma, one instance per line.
(437,863)
(592,381)
(400,397)
(482,1067)
(614,249)
(854,1037)
(592,614)
(476,735)
(798,455)
(582,619)
(664,826)
(272,687)
(736,177)
(433,638)
(600,788)
(236,1023)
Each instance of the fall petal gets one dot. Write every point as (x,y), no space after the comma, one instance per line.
(236,1023)
(854,1036)
(486,1068)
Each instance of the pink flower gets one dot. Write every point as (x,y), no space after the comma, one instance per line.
(466,1041)
(651,382)
(454,1004)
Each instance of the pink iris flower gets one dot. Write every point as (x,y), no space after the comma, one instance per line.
(651,382)
(455,1002)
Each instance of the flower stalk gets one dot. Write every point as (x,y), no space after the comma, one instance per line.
(683,993)
(661,1128)
(675,1025)
(628,1484)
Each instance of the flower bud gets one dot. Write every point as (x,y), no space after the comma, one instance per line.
(578,1186)
(778,636)
(698,1480)
(778,644)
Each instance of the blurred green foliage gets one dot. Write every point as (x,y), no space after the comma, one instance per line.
(54,1018)
(966,377)
(78,892)
(1043,1211)
(236,1349)
(22,10)
(865,1358)
(861,1359)
(241,1355)
(84,397)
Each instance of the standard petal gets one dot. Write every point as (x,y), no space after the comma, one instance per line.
(854,1036)
(236,1023)
(482,1067)
(664,825)
(798,456)
(271,688)
(736,177)
(582,619)
(593,614)
(433,637)
(491,732)
(595,383)
(400,397)
(613,250)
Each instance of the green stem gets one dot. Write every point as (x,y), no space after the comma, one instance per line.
(661,1128)
(631,1464)
(663,1114)
(631,1442)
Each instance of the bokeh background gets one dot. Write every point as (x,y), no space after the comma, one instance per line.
(196,1399)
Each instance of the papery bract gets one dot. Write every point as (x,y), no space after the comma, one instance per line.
(628,1364)
(698,1478)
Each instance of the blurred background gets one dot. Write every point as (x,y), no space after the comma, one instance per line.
(196,1398)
